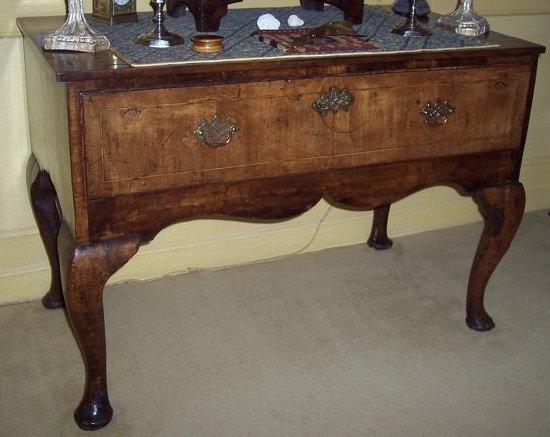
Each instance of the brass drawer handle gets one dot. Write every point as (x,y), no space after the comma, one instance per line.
(333,100)
(216,132)
(437,113)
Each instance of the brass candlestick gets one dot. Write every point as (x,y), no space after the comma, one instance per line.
(411,27)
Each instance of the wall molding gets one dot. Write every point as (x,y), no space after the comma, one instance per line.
(21,232)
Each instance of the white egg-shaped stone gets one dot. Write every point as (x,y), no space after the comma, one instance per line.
(268,22)
(295,21)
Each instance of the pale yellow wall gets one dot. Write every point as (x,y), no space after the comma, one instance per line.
(210,243)
(9,9)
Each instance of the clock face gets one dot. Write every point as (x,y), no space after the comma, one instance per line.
(114,8)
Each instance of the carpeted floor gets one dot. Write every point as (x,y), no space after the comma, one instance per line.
(344,342)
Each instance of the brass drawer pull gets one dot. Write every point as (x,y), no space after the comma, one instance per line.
(437,113)
(333,100)
(216,132)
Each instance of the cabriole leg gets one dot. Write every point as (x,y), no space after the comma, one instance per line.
(379,235)
(85,270)
(502,210)
(43,201)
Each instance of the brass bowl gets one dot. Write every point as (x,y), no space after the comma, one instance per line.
(207,43)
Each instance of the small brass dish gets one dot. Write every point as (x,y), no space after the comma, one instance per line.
(207,43)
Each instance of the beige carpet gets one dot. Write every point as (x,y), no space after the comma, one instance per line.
(345,342)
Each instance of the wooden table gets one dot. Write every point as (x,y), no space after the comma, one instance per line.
(119,153)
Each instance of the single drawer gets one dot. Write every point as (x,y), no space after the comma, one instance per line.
(148,140)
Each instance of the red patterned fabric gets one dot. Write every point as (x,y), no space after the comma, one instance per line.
(283,39)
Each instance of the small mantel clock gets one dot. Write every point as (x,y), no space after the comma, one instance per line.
(115,11)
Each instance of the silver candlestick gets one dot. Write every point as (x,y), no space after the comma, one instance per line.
(159,37)
(464,21)
(401,7)
(76,34)
(411,27)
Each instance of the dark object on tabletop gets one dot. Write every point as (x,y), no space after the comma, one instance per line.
(159,37)
(115,11)
(353,9)
(402,7)
(207,13)
(411,27)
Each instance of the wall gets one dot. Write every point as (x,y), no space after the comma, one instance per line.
(210,244)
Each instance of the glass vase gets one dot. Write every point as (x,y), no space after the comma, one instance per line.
(464,21)
(76,35)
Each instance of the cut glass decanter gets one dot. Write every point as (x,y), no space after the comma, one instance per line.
(464,21)
(76,34)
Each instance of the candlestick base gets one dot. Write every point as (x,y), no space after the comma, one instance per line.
(159,37)
(401,7)
(411,28)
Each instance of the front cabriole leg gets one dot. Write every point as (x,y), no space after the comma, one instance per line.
(85,270)
(502,209)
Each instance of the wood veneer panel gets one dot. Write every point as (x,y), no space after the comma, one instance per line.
(144,140)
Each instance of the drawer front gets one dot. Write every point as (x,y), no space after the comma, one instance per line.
(158,139)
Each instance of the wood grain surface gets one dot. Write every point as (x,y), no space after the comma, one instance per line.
(144,140)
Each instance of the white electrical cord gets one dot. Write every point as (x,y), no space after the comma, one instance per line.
(260,261)
(274,258)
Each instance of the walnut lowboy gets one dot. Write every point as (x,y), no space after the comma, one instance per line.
(129,151)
